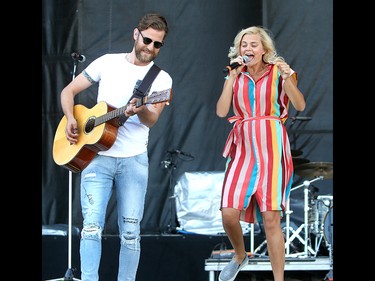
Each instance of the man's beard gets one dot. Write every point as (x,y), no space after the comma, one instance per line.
(143,59)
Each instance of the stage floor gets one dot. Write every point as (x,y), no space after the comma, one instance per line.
(167,257)
(263,264)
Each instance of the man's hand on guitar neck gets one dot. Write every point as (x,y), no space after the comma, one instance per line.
(132,108)
(137,105)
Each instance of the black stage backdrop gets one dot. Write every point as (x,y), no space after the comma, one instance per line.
(195,53)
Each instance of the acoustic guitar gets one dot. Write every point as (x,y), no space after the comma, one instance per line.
(97,129)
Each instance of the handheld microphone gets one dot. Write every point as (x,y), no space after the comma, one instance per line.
(234,65)
(78,57)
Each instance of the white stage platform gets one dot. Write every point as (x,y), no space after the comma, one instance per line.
(263,264)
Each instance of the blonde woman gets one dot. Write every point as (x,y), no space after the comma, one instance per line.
(259,168)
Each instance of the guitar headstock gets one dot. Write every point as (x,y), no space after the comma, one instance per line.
(156,97)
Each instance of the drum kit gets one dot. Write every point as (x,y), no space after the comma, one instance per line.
(318,210)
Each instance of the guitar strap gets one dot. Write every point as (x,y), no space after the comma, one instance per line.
(141,90)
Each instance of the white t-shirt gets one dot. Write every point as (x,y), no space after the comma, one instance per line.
(117,80)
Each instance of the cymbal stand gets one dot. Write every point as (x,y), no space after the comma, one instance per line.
(304,226)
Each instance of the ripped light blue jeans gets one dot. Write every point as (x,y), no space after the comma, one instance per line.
(127,177)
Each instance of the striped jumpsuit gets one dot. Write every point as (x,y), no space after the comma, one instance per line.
(259,168)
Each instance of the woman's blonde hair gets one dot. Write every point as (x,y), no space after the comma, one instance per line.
(270,56)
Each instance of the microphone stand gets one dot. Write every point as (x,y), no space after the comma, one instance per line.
(293,120)
(171,164)
(69,274)
(300,118)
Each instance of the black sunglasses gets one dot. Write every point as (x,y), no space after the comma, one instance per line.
(148,41)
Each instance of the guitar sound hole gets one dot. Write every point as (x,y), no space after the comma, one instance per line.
(90,125)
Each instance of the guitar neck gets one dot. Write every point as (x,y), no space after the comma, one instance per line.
(155,97)
(116,113)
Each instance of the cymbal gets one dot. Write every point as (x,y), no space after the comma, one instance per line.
(299,161)
(315,169)
(296,152)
